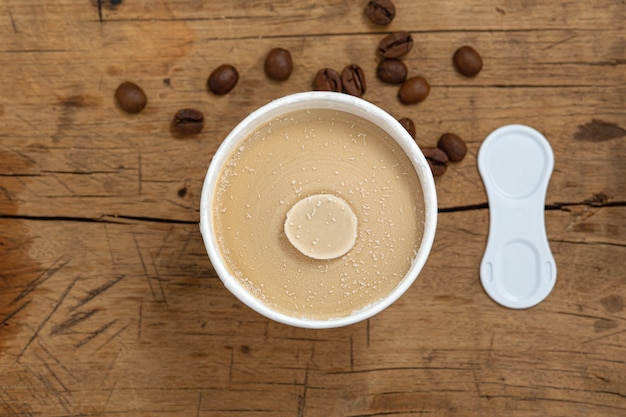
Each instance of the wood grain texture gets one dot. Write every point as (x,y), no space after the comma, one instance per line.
(109,305)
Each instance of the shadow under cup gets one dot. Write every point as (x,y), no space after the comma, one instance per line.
(313,101)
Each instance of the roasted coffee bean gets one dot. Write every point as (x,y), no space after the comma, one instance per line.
(414,90)
(392,71)
(453,146)
(188,121)
(353,80)
(130,97)
(327,79)
(380,12)
(223,79)
(408,125)
(437,160)
(395,45)
(278,64)
(467,61)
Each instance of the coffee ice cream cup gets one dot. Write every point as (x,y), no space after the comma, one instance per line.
(342,236)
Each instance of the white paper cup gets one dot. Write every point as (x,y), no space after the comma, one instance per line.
(317,100)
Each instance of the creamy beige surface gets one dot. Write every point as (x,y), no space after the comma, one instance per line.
(318,152)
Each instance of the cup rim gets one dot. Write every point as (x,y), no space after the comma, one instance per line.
(318,100)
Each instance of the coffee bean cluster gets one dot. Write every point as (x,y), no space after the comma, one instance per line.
(278,66)
(392,70)
(450,148)
(351,80)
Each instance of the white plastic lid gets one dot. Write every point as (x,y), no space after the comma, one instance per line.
(517,269)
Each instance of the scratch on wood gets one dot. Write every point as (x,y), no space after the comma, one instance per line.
(27,122)
(47,318)
(25,156)
(13,314)
(163,297)
(139,175)
(563,400)
(111,365)
(231,365)
(57,361)
(603,337)
(43,277)
(302,397)
(367,333)
(54,375)
(476,384)
(158,254)
(145,270)
(108,400)
(6,403)
(143,264)
(562,41)
(106,234)
(75,319)
(64,402)
(199,404)
(586,316)
(97,291)
(117,333)
(94,334)
(351,354)
(140,321)
(154,265)
(13,25)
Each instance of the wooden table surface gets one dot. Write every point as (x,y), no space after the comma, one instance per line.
(108,302)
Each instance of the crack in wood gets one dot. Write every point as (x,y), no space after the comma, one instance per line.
(105,218)
(585,242)
(111,219)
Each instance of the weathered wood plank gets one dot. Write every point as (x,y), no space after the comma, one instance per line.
(149,328)
(124,174)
